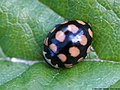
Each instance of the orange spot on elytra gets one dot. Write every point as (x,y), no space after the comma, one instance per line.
(83,40)
(80,22)
(46,41)
(53,47)
(80,59)
(53,30)
(68,65)
(88,49)
(90,32)
(64,22)
(62,57)
(74,51)
(60,36)
(72,28)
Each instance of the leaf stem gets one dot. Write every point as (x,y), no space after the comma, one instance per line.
(31,62)
(17,60)
(99,60)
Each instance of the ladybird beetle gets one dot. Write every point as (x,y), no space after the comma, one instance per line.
(67,43)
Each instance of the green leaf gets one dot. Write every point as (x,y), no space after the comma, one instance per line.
(2,55)
(104,17)
(25,23)
(9,71)
(84,76)
(116,85)
(23,26)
